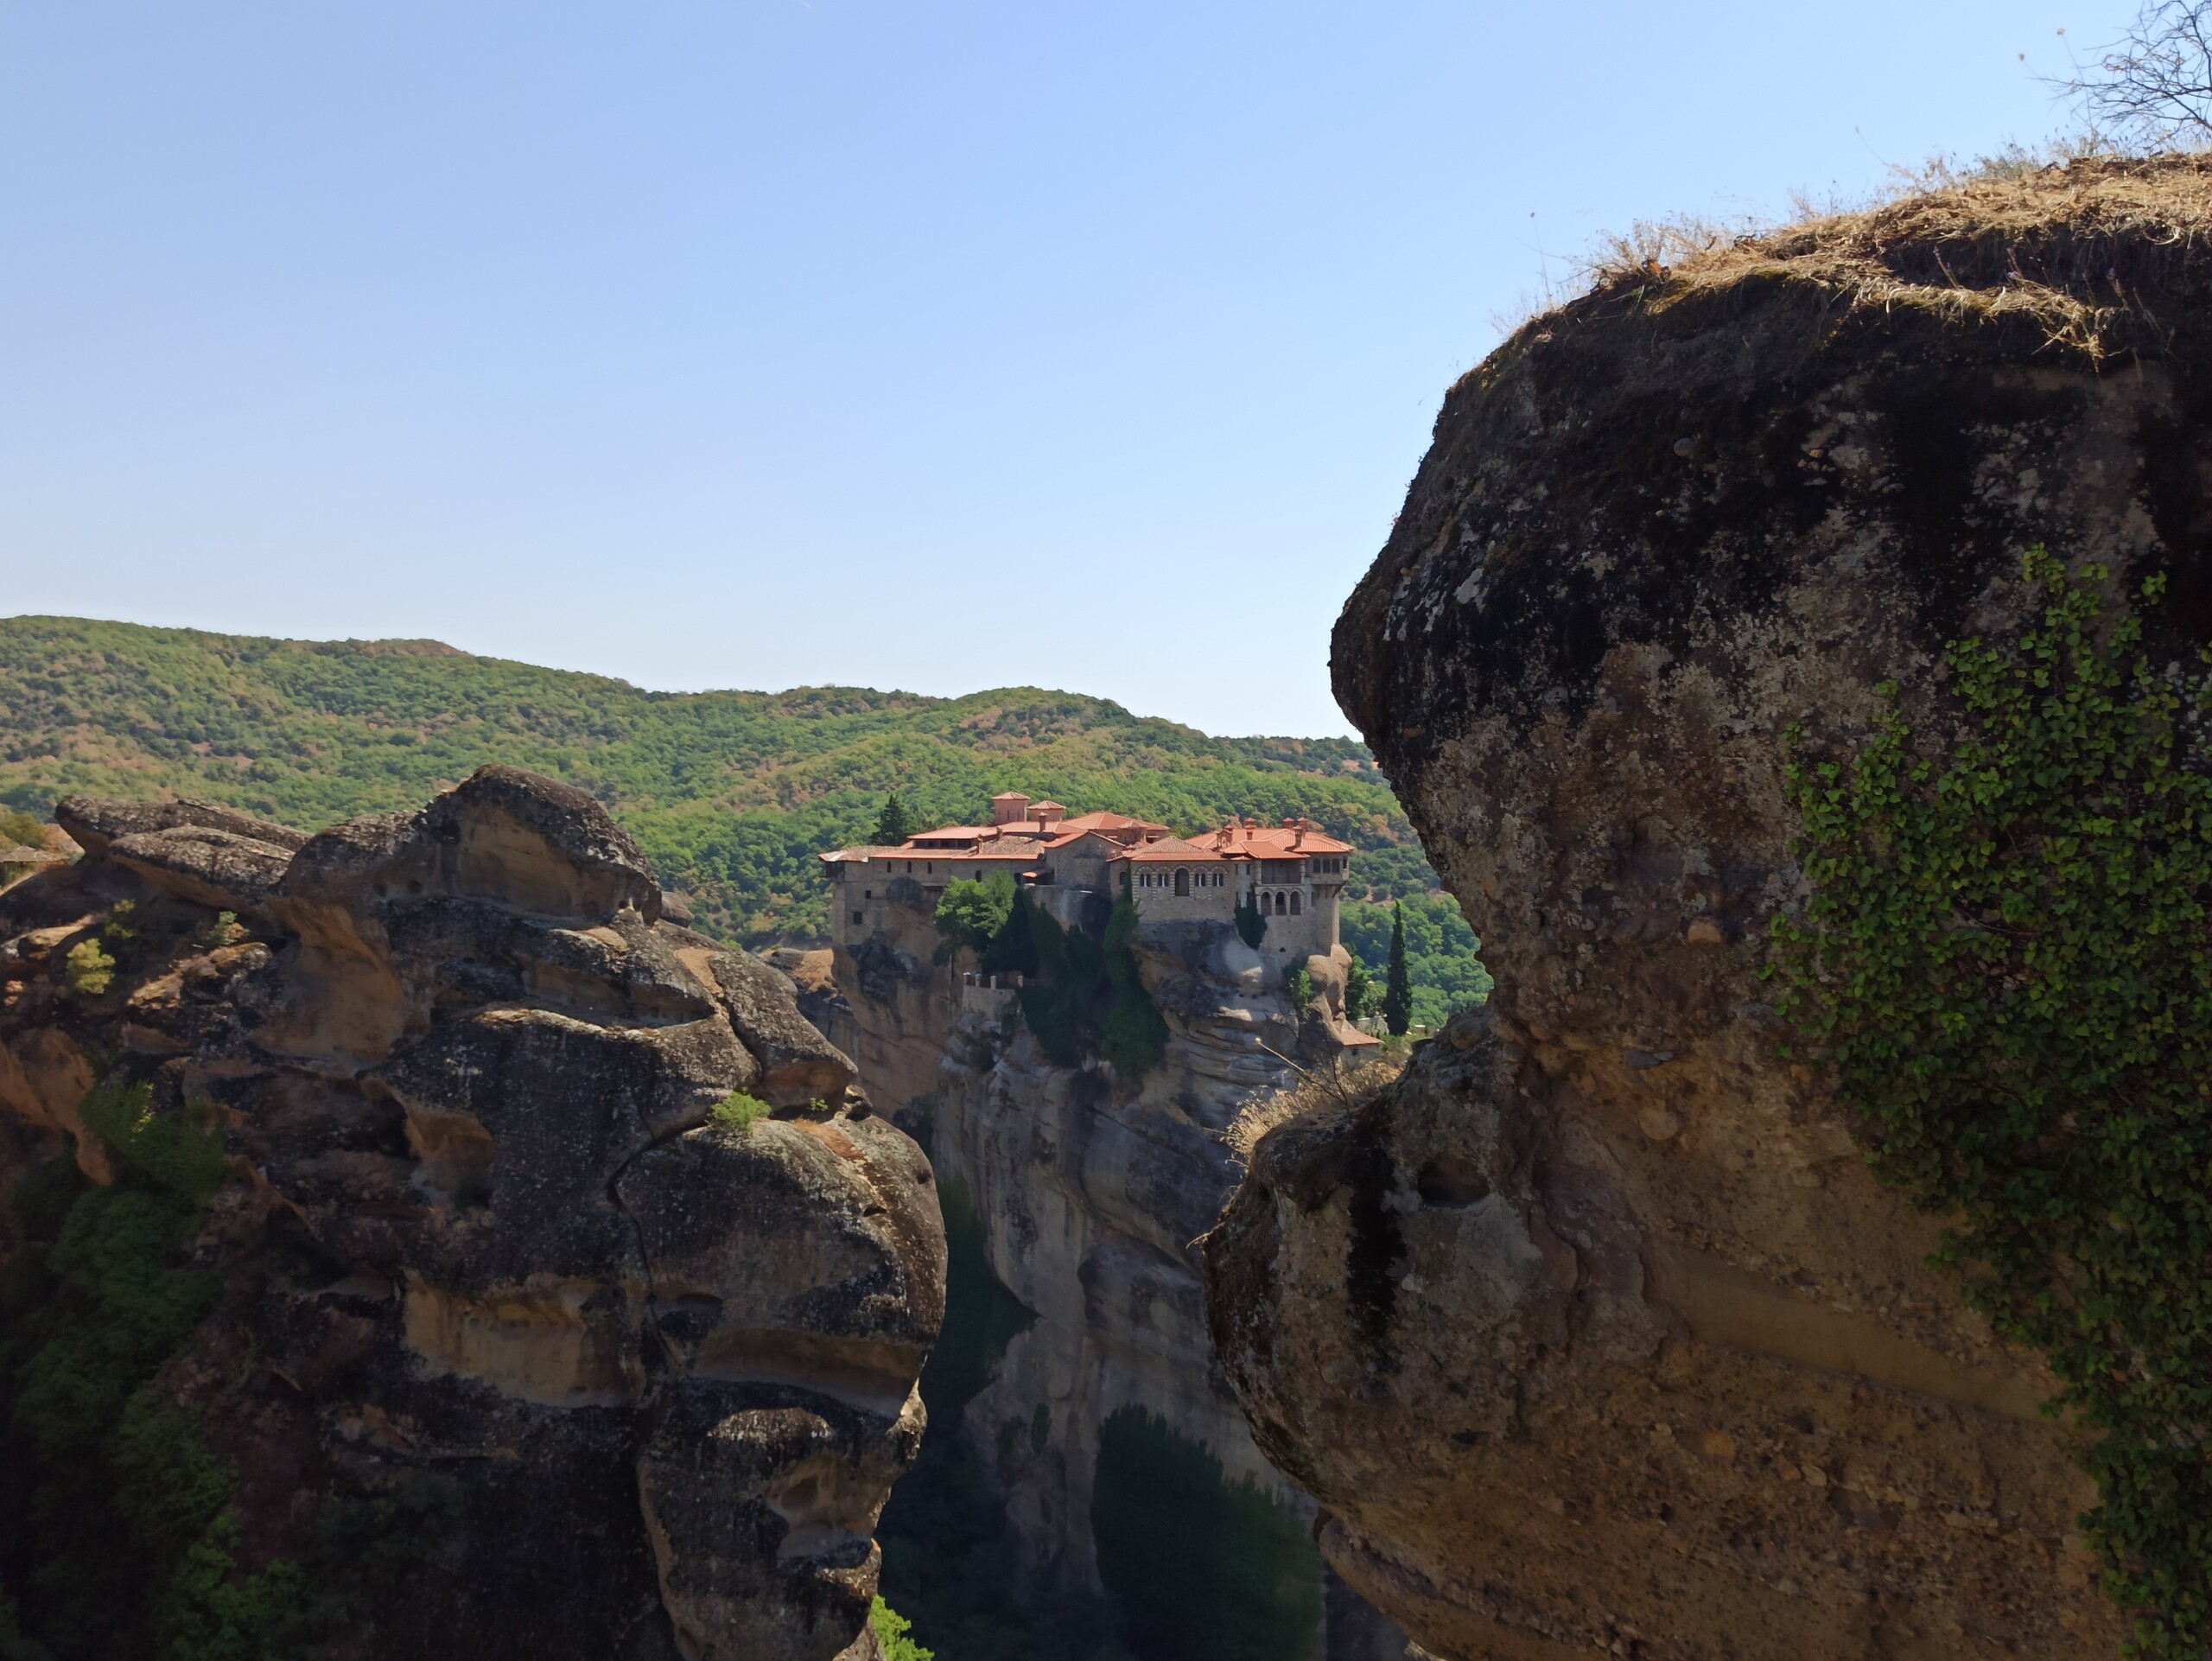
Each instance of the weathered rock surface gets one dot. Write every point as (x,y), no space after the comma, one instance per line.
(477,1230)
(1594,1335)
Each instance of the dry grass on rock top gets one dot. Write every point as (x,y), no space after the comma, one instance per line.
(2072,245)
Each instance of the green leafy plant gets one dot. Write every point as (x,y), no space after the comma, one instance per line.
(970,915)
(87,971)
(1298,987)
(223,930)
(890,1630)
(2006,962)
(738,1112)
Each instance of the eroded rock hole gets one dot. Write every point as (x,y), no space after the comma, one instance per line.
(1453,1181)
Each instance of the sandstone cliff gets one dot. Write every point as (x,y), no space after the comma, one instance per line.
(1594,1335)
(1090,1195)
(512,1351)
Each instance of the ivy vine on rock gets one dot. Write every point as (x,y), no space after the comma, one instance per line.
(2005,965)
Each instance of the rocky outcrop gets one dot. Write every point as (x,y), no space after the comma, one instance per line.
(1090,1195)
(477,1228)
(1594,1335)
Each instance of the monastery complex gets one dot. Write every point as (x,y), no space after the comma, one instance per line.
(1074,868)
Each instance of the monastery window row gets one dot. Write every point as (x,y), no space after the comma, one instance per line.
(1182,881)
(1274,905)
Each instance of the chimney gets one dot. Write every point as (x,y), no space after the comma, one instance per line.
(1048,814)
(1298,837)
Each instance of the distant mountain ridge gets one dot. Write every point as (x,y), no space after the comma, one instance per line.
(731,793)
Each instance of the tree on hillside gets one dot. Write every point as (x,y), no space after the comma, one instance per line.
(2153,87)
(1398,988)
(972,914)
(893,825)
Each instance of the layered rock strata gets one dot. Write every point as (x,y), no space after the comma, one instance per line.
(476,1227)
(1595,1335)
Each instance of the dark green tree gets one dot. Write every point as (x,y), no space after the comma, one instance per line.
(1359,991)
(1136,1037)
(1251,928)
(972,914)
(893,826)
(1398,987)
(1013,948)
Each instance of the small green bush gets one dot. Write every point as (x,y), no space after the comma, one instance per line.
(892,1628)
(87,971)
(1298,987)
(223,930)
(738,1112)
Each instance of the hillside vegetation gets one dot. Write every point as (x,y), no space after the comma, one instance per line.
(731,793)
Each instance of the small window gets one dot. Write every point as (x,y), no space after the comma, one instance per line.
(1293,905)
(1182,885)
(868,893)
(856,920)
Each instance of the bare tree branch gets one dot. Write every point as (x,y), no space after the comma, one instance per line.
(2153,87)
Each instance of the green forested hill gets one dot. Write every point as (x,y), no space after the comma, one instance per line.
(731,793)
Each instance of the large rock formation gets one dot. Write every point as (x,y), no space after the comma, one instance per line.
(478,1238)
(1594,1335)
(1090,1194)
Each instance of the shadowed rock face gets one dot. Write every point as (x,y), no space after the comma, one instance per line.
(478,1230)
(1594,1334)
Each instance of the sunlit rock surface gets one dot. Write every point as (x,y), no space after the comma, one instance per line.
(477,1232)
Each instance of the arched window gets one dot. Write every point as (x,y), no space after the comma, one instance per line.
(1182,885)
(1293,905)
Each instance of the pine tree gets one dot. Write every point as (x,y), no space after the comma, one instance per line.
(893,826)
(1398,989)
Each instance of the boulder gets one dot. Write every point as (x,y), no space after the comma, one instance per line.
(1594,1334)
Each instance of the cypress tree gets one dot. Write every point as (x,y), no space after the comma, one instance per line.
(1398,989)
(893,825)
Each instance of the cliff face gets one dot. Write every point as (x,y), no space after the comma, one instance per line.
(1090,1195)
(595,1375)
(1594,1334)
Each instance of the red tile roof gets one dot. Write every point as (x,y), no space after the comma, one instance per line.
(1170,850)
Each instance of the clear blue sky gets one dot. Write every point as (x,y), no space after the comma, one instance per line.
(938,346)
